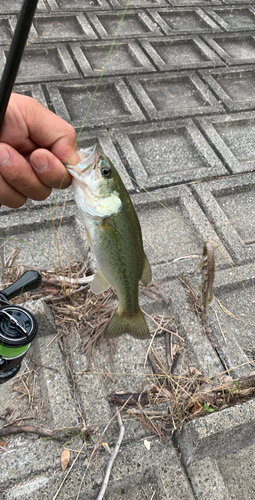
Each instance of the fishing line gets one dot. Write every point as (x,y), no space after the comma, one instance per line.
(119,166)
(104,68)
(16,240)
(82,126)
(122,168)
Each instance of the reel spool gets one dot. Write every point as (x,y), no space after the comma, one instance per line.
(18,326)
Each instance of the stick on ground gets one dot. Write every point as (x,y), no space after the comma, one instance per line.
(112,458)
(41,431)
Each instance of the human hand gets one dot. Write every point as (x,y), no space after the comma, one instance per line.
(34,144)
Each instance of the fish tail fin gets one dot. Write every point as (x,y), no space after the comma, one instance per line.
(135,325)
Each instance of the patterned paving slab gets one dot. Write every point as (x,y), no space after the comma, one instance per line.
(234,18)
(13,6)
(43,63)
(154,153)
(173,95)
(235,48)
(227,203)
(135,24)
(183,21)
(113,103)
(235,87)
(174,53)
(78,5)
(175,112)
(233,137)
(127,57)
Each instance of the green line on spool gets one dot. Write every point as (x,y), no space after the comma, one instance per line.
(12,352)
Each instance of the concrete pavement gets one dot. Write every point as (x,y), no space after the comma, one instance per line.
(175,110)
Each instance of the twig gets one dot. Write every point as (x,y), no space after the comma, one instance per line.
(151,424)
(9,261)
(215,312)
(164,329)
(186,257)
(49,298)
(175,361)
(19,419)
(69,470)
(42,365)
(229,313)
(169,355)
(83,269)
(149,413)
(153,365)
(41,431)
(97,445)
(112,458)
(130,398)
(147,353)
(71,281)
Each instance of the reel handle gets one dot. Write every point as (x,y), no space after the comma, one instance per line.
(28,281)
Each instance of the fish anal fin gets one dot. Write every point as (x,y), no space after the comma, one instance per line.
(121,323)
(99,284)
(146,274)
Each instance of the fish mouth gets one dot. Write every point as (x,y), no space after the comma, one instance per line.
(89,158)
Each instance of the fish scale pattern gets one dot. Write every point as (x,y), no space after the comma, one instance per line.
(175,112)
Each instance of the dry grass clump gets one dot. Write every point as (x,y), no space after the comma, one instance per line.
(168,399)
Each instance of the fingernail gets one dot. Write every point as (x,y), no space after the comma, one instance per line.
(78,157)
(4,156)
(40,163)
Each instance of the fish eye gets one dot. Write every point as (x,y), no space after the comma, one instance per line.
(106,171)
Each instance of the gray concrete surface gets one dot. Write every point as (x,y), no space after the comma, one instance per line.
(175,111)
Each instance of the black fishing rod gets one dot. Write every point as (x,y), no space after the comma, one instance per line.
(18,327)
(15,53)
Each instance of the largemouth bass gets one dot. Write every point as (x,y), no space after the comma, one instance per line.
(114,234)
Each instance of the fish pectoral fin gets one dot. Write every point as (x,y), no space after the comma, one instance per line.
(110,231)
(146,274)
(99,283)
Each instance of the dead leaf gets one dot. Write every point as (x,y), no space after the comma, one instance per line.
(65,457)
(3,443)
(196,408)
(51,290)
(205,393)
(8,411)
(147,444)
(194,371)
(226,379)
(166,393)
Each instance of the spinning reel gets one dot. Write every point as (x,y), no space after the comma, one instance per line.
(18,327)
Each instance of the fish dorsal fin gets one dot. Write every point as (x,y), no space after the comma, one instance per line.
(146,274)
(99,283)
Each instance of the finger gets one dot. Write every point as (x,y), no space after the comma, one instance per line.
(18,173)
(9,196)
(48,130)
(49,169)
